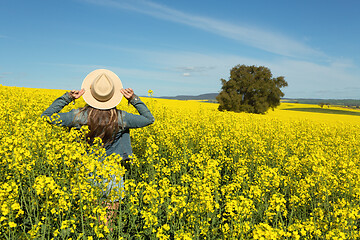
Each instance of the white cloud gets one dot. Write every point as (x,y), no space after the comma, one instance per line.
(252,36)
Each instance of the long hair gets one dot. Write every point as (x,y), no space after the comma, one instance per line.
(102,123)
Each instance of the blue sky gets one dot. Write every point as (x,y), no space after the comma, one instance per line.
(182,47)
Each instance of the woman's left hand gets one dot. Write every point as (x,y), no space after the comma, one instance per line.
(75,94)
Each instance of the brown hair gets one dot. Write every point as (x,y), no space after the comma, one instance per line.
(102,123)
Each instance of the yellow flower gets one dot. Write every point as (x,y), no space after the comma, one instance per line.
(221,174)
(12,224)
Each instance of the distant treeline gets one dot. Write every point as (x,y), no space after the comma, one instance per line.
(207,96)
(340,102)
(211,97)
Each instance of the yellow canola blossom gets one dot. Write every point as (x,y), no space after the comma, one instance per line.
(196,173)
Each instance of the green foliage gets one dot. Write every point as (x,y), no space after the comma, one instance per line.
(322,104)
(250,89)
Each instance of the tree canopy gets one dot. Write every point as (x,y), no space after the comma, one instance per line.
(250,89)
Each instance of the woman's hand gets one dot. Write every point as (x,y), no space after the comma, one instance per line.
(128,93)
(75,94)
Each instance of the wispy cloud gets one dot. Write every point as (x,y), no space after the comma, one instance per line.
(194,68)
(126,74)
(180,72)
(252,36)
(189,70)
(4,74)
(305,78)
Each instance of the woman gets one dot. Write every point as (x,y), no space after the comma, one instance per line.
(102,91)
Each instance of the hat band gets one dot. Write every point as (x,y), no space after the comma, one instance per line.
(102,88)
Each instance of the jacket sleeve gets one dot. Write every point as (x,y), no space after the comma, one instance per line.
(136,121)
(66,119)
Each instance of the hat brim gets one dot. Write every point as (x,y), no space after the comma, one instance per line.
(88,97)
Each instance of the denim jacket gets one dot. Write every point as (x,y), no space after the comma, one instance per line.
(121,144)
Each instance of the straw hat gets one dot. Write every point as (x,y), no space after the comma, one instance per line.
(102,89)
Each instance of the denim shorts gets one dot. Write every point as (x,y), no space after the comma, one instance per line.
(111,186)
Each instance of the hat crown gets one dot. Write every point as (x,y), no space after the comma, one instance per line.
(102,88)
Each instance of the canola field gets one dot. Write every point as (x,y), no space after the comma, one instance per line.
(197,173)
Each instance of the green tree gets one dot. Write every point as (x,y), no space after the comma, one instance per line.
(250,89)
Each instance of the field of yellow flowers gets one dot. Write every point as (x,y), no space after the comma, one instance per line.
(197,173)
